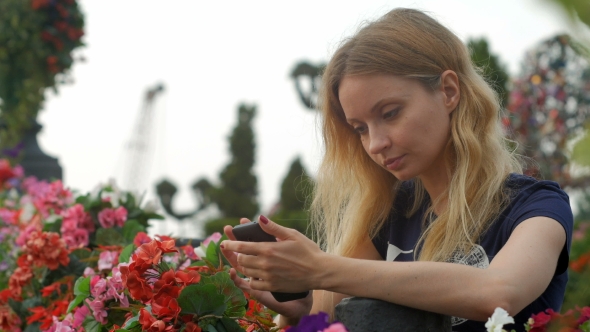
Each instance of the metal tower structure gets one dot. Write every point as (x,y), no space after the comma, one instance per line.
(139,146)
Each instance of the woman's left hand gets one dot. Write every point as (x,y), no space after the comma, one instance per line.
(292,264)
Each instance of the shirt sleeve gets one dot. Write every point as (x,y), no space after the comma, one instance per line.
(544,199)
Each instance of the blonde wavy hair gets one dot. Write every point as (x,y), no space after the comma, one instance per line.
(354,196)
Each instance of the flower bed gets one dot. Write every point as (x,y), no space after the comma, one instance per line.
(86,263)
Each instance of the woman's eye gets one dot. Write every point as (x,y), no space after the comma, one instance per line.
(360,130)
(390,114)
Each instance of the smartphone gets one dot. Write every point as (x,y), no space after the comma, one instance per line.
(252,232)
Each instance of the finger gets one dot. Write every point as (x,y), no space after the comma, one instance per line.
(231,256)
(228,230)
(248,248)
(278,231)
(244,220)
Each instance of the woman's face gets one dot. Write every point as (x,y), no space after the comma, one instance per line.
(403,126)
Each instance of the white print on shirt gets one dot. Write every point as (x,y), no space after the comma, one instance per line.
(393,252)
(476,257)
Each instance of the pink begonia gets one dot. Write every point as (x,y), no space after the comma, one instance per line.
(98,310)
(76,226)
(106,260)
(76,215)
(24,235)
(9,217)
(98,289)
(336,327)
(112,217)
(215,237)
(77,238)
(62,326)
(80,315)
(88,272)
(47,196)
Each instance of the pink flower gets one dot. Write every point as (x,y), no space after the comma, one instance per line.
(112,217)
(26,233)
(215,237)
(77,238)
(99,288)
(106,260)
(88,271)
(9,217)
(336,327)
(79,316)
(98,310)
(77,216)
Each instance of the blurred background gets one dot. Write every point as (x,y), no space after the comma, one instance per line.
(206,109)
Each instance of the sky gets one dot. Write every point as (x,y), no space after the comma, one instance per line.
(212,56)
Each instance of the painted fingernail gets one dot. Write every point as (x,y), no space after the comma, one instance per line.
(263,219)
(222,246)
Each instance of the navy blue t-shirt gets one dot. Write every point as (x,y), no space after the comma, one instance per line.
(397,239)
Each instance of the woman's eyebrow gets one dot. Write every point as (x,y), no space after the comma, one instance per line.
(378,105)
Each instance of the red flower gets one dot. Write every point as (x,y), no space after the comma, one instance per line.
(137,286)
(192,327)
(46,249)
(9,321)
(189,251)
(584,315)
(38,4)
(188,277)
(165,307)
(6,171)
(145,319)
(19,278)
(579,264)
(41,314)
(148,254)
(141,238)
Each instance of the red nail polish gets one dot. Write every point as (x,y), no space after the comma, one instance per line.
(263,219)
(221,246)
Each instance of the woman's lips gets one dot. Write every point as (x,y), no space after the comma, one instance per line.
(393,164)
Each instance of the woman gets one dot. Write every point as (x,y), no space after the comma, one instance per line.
(416,172)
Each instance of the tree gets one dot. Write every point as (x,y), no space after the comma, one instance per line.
(37,38)
(291,211)
(236,196)
(549,105)
(493,71)
(295,187)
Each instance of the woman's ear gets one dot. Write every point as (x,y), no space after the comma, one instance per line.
(449,85)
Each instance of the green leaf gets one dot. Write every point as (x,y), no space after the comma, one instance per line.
(201,300)
(581,151)
(585,327)
(82,253)
(126,253)
(233,297)
(91,325)
(82,286)
(131,228)
(76,302)
(132,322)
(109,237)
(75,268)
(212,254)
(228,325)
(35,327)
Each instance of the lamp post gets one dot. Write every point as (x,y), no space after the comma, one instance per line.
(35,162)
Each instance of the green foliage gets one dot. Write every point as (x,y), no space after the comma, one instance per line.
(201,300)
(236,196)
(295,187)
(36,42)
(234,298)
(576,9)
(493,70)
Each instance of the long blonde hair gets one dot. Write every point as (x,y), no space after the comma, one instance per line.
(354,196)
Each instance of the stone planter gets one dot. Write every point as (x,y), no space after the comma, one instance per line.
(369,315)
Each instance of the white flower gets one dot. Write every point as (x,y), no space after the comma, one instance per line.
(499,318)
(28,211)
(151,206)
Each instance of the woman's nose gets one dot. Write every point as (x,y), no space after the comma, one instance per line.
(379,141)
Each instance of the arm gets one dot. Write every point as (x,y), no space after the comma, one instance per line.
(326,301)
(517,275)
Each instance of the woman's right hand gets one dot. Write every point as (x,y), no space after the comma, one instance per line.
(291,310)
